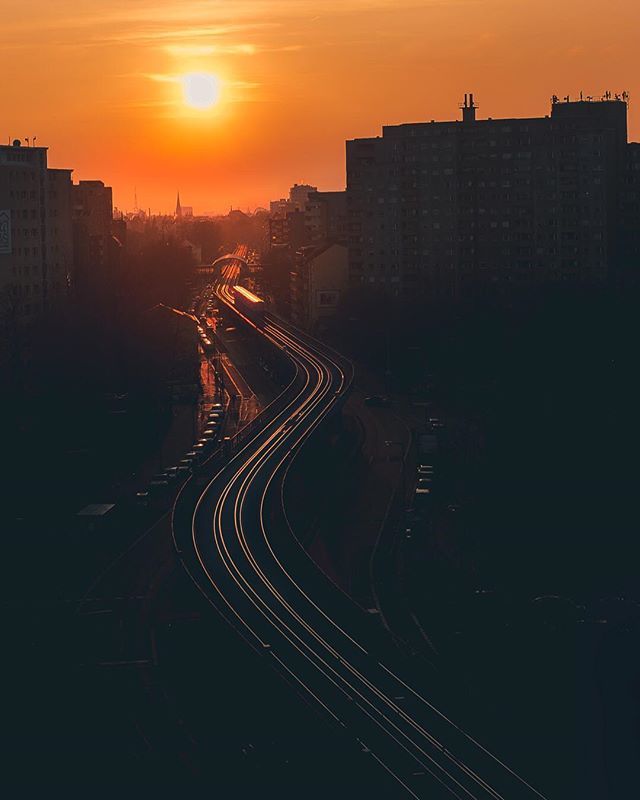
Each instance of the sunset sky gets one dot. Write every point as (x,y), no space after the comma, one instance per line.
(98,82)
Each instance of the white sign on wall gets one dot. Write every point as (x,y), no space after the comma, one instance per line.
(5,232)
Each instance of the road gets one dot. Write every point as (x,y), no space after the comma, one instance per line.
(240,551)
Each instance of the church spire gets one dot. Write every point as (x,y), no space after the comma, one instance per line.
(178,206)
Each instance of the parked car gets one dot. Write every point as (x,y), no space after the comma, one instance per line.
(171,473)
(158,486)
(142,499)
(425,469)
(163,476)
(422,495)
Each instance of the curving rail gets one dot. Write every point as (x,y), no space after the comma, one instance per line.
(251,567)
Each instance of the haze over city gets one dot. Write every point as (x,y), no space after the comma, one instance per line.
(99,82)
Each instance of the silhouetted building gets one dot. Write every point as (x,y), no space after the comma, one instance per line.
(299,194)
(280,207)
(318,280)
(36,249)
(289,230)
(92,233)
(629,253)
(326,217)
(453,209)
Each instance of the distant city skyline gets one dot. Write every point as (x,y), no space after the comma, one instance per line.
(122,92)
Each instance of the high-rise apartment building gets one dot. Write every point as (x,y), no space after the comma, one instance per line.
(628,260)
(288,230)
(36,243)
(299,194)
(92,231)
(452,209)
(326,217)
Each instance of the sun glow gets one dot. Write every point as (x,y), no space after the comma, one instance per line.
(200,90)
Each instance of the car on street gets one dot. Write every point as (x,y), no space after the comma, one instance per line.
(195,456)
(163,476)
(425,469)
(142,499)
(422,494)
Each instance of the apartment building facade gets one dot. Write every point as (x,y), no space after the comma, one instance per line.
(446,210)
(36,241)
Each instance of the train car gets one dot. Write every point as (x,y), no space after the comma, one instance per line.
(249,304)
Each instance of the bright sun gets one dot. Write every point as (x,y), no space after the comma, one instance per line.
(200,89)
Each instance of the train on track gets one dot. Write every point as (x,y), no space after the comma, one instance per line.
(249,304)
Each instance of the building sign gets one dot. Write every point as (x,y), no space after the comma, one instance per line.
(5,232)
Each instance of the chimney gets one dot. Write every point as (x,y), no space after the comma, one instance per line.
(468,109)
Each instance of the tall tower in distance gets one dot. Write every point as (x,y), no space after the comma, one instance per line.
(178,207)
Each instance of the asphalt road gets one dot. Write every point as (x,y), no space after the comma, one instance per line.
(240,551)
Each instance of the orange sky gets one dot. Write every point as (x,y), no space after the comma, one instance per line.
(96,82)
